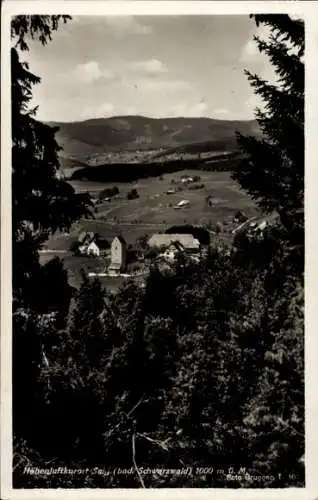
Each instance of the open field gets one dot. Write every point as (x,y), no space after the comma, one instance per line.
(155,207)
(152,212)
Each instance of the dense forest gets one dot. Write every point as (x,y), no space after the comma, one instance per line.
(129,172)
(203,368)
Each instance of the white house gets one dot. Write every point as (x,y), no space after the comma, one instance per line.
(182,203)
(171,251)
(172,245)
(186,179)
(118,252)
(87,245)
(93,249)
(262,225)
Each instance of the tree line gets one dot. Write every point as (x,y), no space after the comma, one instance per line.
(129,172)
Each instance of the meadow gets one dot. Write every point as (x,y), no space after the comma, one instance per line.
(152,212)
(155,207)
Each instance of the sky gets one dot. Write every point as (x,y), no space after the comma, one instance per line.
(157,66)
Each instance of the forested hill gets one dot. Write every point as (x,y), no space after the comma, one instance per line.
(83,139)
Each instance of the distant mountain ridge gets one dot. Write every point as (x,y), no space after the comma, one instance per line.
(84,139)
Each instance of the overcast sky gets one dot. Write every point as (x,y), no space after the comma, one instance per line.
(153,66)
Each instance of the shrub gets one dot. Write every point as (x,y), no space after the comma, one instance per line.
(108,193)
(197,186)
(200,233)
(142,242)
(133,194)
(152,253)
(134,267)
(240,216)
(132,255)
(74,247)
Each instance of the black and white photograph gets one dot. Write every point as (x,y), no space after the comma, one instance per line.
(157,225)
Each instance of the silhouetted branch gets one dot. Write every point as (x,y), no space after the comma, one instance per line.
(134,461)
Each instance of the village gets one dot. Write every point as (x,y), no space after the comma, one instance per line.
(137,225)
(124,260)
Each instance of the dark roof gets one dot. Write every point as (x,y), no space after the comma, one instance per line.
(121,239)
(103,244)
(86,237)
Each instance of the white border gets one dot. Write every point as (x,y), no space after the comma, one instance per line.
(155,7)
(309,11)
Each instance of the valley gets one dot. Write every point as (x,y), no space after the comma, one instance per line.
(149,156)
(152,212)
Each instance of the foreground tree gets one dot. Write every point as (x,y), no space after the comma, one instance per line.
(273,169)
(41,202)
(273,174)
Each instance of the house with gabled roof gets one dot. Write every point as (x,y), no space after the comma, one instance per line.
(170,253)
(93,249)
(118,255)
(163,241)
(182,203)
(86,240)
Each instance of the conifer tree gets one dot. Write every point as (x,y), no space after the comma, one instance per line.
(41,202)
(272,171)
